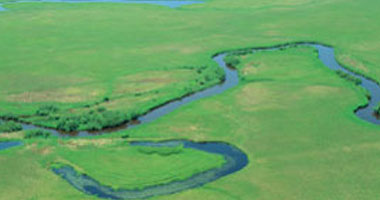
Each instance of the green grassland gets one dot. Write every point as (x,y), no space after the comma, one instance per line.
(294,118)
(131,58)
(290,114)
(113,162)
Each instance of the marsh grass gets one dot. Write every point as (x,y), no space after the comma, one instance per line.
(291,115)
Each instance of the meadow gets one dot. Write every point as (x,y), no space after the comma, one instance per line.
(291,115)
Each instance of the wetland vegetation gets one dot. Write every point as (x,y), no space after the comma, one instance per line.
(92,66)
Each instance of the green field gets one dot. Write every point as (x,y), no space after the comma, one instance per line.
(290,114)
(113,162)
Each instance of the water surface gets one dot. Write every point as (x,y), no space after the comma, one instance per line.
(7,145)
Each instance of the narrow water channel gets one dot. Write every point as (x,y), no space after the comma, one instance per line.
(7,145)
(326,55)
(235,160)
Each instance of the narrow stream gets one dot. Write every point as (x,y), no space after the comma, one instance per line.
(7,145)
(326,55)
(235,160)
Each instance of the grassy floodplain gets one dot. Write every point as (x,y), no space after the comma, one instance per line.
(113,162)
(294,152)
(117,57)
(290,114)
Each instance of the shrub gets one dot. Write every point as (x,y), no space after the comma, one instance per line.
(133,115)
(231,60)
(101,109)
(377,110)
(9,116)
(10,126)
(68,124)
(241,52)
(94,120)
(46,110)
(114,118)
(124,136)
(36,133)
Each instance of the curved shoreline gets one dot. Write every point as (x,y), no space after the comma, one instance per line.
(235,160)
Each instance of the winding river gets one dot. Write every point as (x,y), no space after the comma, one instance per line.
(326,55)
(234,157)
(235,160)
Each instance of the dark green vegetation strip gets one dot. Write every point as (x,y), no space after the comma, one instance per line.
(9,126)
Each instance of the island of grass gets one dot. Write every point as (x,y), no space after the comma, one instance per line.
(112,162)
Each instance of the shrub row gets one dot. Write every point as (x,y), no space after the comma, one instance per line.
(46,110)
(377,110)
(241,52)
(349,77)
(36,133)
(9,116)
(9,126)
(94,120)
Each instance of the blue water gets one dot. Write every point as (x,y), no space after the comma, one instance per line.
(235,160)
(168,3)
(7,145)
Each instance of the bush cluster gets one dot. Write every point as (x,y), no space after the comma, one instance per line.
(10,126)
(349,77)
(46,110)
(94,120)
(231,60)
(36,133)
(9,116)
(377,110)
(209,74)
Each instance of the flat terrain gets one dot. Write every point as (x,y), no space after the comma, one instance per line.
(291,115)
(113,163)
